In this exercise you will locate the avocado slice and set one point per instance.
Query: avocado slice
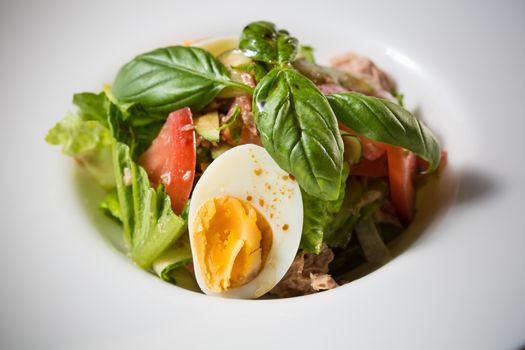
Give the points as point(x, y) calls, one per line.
point(353, 149)
point(207, 126)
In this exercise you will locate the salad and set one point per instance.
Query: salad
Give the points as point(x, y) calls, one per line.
point(240, 167)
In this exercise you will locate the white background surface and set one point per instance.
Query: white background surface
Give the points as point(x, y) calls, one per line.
point(461, 285)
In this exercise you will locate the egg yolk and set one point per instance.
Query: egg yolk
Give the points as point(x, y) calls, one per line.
point(231, 242)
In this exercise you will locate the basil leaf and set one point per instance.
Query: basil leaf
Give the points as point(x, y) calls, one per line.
point(263, 42)
point(318, 215)
point(170, 78)
point(386, 122)
point(300, 131)
point(150, 226)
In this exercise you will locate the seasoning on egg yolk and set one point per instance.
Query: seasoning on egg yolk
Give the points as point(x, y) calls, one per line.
point(231, 240)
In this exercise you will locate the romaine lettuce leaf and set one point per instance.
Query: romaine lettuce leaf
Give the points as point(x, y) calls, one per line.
point(150, 226)
point(110, 206)
point(105, 136)
point(89, 142)
point(133, 126)
point(92, 106)
point(77, 135)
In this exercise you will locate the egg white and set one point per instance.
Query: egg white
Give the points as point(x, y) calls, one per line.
point(244, 171)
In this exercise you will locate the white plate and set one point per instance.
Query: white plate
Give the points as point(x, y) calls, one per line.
point(460, 285)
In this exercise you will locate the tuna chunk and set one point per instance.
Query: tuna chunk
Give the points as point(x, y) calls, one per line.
point(365, 69)
point(307, 275)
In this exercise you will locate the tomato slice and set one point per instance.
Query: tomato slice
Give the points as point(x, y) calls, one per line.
point(370, 168)
point(422, 164)
point(171, 158)
point(401, 173)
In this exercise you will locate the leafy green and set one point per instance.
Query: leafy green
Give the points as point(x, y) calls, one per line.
point(339, 232)
point(92, 106)
point(263, 42)
point(150, 226)
point(86, 135)
point(233, 118)
point(359, 202)
point(234, 124)
point(110, 206)
point(78, 136)
point(170, 78)
point(89, 142)
point(132, 125)
point(318, 214)
point(300, 131)
point(384, 121)
point(174, 257)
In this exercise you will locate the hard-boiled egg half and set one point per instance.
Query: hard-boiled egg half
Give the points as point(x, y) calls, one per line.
point(245, 222)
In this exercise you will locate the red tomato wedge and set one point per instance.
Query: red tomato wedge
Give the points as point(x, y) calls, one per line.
point(370, 168)
point(401, 173)
point(422, 164)
point(171, 158)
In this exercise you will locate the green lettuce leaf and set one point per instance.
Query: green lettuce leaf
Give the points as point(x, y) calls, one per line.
point(110, 206)
point(92, 106)
point(78, 136)
point(318, 215)
point(89, 142)
point(133, 126)
point(105, 136)
point(360, 201)
point(150, 226)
